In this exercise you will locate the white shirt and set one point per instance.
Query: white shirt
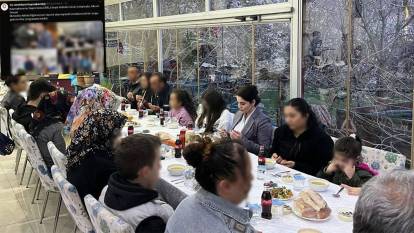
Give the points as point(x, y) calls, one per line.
point(224, 122)
point(240, 126)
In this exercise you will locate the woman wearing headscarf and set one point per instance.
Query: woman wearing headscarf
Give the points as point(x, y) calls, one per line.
point(90, 158)
point(88, 100)
point(47, 123)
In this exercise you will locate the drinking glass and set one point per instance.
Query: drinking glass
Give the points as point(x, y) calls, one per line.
point(189, 174)
point(298, 182)
point(127, 107)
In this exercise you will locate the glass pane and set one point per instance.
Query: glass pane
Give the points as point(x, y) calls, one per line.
point(228, 4)
point(383, 64)
point(324, 61)
point(177, 7)
point(136, 9)
point(130, 47)
point(112, 13)
point(273, 66)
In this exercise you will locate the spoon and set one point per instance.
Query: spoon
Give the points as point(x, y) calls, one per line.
point(339, 191)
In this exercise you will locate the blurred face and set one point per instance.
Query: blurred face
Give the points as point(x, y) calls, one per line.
point(155, 83)
point(132, 74)
point(238, 190)
point(151, 174)
point(144, 82)
point(244, 105)
point(294, 119)
point(341, 160)
point(174, 102)
point(20, 86)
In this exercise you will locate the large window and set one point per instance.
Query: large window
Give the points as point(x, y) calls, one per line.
point(112, 13)
point(228, 4)
point(136, 9)
point(177, 7)
point(382, 61)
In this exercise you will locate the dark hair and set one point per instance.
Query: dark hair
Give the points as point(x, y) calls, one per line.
point(249, 93)
point(305, 109)
point(216, 105)
point(349, 147)
point(38, 87)
point(215, 162)
point(9, 80)
point(160, 76)
point(186, 102)
point(146, 75)
point(135, 152)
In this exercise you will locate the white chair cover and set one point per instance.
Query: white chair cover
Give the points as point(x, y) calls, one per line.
point(72, 201)
point(103, 220)
point(58, 158)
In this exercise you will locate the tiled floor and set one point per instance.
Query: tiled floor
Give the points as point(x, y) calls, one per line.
point(17, 214)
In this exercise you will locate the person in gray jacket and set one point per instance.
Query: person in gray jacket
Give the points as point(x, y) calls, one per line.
point(223, 171)
point(250, 124)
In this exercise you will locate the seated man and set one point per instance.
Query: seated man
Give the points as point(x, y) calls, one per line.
point(132, 86)
point(131, 193)
point(386, 204)
point(161, 91)
point(37, 90)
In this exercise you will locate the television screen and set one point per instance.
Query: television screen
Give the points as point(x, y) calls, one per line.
point(47, 37)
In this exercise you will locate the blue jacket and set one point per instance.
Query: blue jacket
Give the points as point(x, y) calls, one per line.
point(205, 212)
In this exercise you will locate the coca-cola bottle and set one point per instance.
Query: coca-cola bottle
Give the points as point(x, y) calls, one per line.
point(266, 202)
point(162, 117)
point(178, 147)
point(261, 160)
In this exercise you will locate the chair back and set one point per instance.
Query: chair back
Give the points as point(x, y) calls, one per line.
point(59, 159)
point(36, 160)
point(72, 200)
point(382, 160)
point(103, 220)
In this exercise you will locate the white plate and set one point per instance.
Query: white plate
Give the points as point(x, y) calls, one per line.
point(309, 219)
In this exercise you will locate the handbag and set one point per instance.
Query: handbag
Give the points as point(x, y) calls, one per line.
point(6, 142)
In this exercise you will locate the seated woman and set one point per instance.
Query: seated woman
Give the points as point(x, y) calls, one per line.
point(214, 115)
point(13, 99)
point(347, 166)
point(90, 157)
point(223, 171)
point(47, 123)
point(144, 92)
point(89, 100)
point(300, 143)
point(182, 108)
point(250, 124)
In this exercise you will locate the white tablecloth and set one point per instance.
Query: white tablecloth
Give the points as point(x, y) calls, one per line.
point(286, 224)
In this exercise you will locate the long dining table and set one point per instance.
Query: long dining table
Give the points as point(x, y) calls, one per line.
point(289, 223)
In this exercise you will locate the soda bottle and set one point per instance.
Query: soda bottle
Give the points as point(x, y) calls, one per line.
point(178, 147)
point(162, 117)
point(261, 167)
point(182, 136)
point(266, 202)
point(130, 130)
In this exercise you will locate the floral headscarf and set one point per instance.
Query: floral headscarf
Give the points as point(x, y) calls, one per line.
point(96, 132)
point(91, 99)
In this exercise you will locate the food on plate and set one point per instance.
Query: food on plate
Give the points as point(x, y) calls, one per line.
point(172, 126)
point(270, 164)
point(176, 169)
point(318, 185)
point(345, 215)
point(281, 193)
point(270, 184)
point(164, 136)
point(129, 116)
point(311, 205)
point(308, 230)
point(287, 178)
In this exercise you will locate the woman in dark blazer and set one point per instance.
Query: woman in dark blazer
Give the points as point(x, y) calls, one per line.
point(250, 124)
point(301, 143)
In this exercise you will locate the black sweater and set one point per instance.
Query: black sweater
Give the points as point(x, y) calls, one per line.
point(311, 151)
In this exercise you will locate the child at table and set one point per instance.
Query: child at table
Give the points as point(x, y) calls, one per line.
point(183, 108)
point(346, 166)
point(132, 192)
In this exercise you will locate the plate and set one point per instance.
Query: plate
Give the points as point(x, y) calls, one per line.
point(309, 219)
point(308, 230)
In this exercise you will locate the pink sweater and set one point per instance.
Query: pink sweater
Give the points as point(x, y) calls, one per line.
point(182, 116)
